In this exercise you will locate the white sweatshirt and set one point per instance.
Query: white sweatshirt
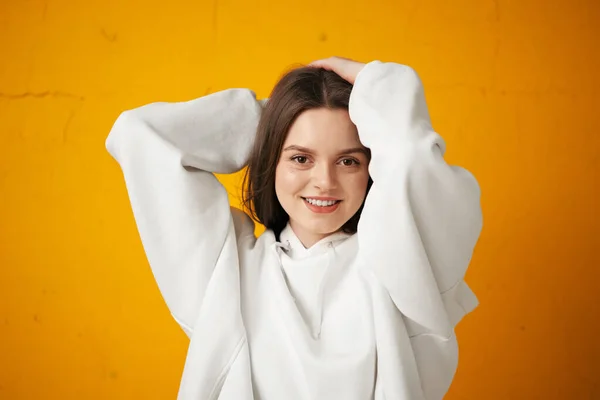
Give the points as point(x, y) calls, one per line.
point(362, 316)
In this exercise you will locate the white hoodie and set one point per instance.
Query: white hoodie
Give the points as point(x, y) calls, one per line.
point(362, 316)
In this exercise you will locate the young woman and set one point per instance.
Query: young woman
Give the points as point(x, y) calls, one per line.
point(355, 288)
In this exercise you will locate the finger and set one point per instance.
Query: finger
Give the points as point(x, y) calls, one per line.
point(320, 64)
point(327, 63)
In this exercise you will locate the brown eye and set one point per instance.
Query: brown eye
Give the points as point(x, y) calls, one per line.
point(300, 159)
point(348, 162)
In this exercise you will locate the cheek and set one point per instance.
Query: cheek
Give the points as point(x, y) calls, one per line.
point(357, 183)
point(287, 180)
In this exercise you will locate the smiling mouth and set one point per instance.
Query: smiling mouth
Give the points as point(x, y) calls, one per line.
point(320, 203)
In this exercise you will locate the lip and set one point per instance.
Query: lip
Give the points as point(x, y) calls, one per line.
point(320, 209)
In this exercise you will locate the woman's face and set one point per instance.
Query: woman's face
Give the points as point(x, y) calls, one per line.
point(322, 174)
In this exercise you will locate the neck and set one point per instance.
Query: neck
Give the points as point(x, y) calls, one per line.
point(307, 238)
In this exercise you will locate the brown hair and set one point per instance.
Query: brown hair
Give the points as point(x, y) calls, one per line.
point(298, 90)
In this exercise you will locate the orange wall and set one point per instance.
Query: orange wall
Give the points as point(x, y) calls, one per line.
point(512, 86)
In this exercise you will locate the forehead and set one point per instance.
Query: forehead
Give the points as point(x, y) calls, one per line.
point(323, 128)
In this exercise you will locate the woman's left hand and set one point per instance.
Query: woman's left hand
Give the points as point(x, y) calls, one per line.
point(344, 67)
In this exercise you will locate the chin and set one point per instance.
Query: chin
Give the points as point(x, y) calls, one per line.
point(324, 227)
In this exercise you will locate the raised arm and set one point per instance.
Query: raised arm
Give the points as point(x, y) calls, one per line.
point(422, 217)
point(168, 152)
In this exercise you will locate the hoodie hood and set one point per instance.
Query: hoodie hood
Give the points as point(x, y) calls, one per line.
point(317, 267)
point(294, 248)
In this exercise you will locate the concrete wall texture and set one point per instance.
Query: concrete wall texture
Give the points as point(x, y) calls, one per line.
point(513, 86)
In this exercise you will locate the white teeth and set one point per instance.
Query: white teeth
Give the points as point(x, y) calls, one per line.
point(321, 203)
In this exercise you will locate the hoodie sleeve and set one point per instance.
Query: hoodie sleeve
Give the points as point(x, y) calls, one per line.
point(421, 219)
point(168, 153)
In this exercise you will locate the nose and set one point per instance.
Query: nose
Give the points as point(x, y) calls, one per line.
point(324, 177)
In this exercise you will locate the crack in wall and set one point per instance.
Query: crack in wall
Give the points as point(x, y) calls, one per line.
point(40, 95)
point(110, 37)
point(67, 125)
point(51, 95)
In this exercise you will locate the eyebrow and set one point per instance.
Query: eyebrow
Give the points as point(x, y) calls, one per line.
point(352, 150)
